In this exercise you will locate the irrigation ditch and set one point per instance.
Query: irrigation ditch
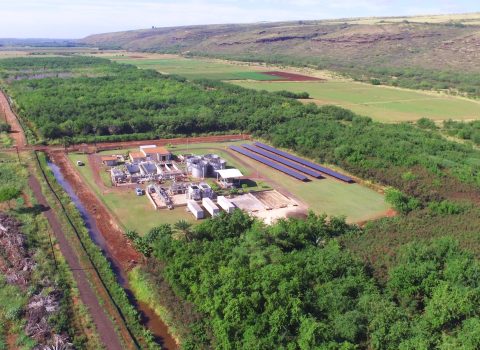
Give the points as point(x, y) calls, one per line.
point(144, 326)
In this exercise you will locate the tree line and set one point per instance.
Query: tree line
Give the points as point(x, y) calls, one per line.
point(292, 286)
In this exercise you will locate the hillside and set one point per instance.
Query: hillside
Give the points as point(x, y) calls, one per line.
point(438, 42)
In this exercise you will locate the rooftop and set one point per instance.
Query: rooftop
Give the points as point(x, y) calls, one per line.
point(106, 158)
point(157, 150)
point(137, 155)
point(229, 173)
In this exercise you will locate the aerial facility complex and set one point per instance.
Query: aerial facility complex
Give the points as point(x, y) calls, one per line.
point(205, 184)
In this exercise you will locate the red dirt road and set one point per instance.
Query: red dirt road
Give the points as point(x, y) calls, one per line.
point(162, 142)
point(103, 323)
point(284, 76)
point(17, 131)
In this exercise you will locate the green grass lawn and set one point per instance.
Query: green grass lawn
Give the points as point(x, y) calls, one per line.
point(379, 102)
point(199, 68)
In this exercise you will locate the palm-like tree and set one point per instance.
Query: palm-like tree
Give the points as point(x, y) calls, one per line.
point(184, 227)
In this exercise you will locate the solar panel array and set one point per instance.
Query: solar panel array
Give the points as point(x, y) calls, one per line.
point(283, 161)
point(269, 163)
point(305, 162)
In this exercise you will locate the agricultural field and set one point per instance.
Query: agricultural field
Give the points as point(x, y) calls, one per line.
point(379, 102)
point(386, 104)
point(198, 68)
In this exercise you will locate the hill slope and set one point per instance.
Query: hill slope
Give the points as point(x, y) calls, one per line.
point(391, 42)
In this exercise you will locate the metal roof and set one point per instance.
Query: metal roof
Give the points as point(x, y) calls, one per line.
point(155, 150)
point(229, 173)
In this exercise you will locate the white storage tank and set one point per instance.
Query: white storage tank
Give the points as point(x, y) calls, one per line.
point(195, 209)
point(199, 169)
point(225, 204)
point(210, 206)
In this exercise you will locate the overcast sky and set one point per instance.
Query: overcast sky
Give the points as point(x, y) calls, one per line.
point(78, 18)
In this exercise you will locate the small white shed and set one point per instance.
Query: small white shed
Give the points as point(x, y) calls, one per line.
point(210, 206)
point(225, 204)
point(228, 178)
point(195, 209)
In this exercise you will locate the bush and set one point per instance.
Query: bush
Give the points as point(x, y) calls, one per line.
point(401, 202)
point(5, 127)
point(446, 208)
point(426, 123)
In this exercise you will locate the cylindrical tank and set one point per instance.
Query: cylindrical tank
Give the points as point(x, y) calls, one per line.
point(199, 170)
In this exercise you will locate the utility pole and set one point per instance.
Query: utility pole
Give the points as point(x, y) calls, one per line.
point(53, 250)
point(5, 114)
point(18, 155)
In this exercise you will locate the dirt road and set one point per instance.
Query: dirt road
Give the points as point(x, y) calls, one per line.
point(103, 323)
point(163, 142)
point(17, 131)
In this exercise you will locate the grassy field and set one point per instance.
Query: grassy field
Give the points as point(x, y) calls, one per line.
point(379, 102)
point(198, 68)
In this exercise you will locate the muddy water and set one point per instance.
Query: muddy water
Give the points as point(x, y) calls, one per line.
point(148, 317)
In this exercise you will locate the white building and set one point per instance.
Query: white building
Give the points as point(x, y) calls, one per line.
point(225, 204)
point(195, 209)
point(210, 206)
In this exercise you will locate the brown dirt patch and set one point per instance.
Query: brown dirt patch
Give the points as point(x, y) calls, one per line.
point(390, 213)
point(286, 76)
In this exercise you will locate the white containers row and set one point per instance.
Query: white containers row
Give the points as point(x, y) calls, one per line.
point(225, 204)
point(210, 206)
point(195, 209)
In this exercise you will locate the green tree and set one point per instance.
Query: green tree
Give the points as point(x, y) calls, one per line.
point(184, 227)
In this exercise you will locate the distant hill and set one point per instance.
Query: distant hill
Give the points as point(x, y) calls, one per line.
point(38, 42)
point(431, 42)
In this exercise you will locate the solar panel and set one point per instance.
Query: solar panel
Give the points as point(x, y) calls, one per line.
point(305, 162)
point(284, 161)
point(269, 163)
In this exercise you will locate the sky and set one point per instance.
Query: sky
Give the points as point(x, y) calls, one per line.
point(79, 18)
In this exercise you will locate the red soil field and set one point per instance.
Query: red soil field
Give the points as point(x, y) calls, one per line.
point(284, 76)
